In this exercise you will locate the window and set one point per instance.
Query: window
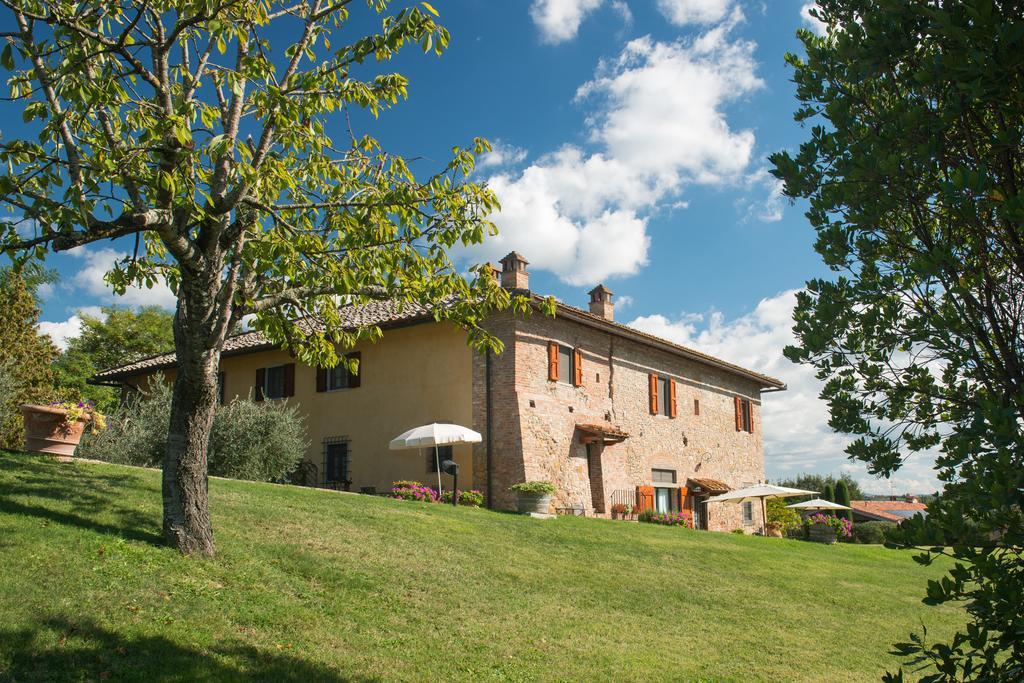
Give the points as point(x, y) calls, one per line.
point(666, 499)
point(443, 453)
point(339, 377)
point(696, 406)
point(565, 364)
point(744, 415)
point(748, 513)
point(662, 395)
point(277, 381)
point(663, 476)
point(336, 461)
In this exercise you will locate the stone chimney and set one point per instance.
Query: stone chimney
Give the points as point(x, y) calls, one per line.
point(601, 302)
point(513, 272)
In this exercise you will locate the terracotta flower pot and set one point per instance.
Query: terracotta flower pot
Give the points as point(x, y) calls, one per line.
point(46, 430)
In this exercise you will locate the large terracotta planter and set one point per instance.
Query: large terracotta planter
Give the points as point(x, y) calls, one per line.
point(533, 502)
point(47, 432)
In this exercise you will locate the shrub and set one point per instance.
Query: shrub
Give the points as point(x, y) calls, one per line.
point(740, 532)
point(872, 532)
point(136, 432)
point(682, 519)
point(533, 487)
point(472, 499)
point(10, 388)
point(261, 441)
point(413, 491)
point(784, 517)
point(258, 441)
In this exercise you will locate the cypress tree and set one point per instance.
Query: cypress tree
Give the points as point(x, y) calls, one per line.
point(843, 498)
point(828, 493)
point(25, 355)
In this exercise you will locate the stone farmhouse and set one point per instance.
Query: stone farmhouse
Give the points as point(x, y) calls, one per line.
point(608, 414)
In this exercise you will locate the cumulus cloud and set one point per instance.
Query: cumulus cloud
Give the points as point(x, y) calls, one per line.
point(683, 12)
point(501, 155)
point(61, 331)
point(96, 263)
point(797, 436)
point(813, 23)
point(771, 207)
point(659, 124)
point(559, 20)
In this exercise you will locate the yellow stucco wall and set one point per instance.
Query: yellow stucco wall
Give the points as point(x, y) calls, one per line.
point(415, 375)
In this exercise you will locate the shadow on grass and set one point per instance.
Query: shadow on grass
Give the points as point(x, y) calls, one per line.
point(84, 498)
point(87, 651)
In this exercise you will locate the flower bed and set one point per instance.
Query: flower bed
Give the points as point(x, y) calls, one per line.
point(840, 526)
point(471, 498)
point(413, 490)
point(682, 519)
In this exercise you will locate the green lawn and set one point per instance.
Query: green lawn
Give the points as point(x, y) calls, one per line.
point(317, 585)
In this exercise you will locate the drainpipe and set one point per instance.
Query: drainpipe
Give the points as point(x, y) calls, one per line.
point(487, 390)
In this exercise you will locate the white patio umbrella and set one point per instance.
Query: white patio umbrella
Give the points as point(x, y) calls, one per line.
point(434, 434)
point(758, 492)
point(818, 504)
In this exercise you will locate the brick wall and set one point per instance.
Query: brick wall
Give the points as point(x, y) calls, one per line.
point(534, 433)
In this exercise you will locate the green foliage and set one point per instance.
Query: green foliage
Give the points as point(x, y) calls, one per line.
point(872, 532)
point(817, 482)
point(533, 487)
point(828, 493)
point(117, 336)
point(259, 441)
point(25, 355)
point(782, 516)
point(843, 498)
point(912, 174)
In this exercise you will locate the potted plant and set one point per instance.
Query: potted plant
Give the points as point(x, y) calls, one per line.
point(824, 528)
point(57, 428)
point(533, 496)
point(619, 511)
point(773, 529)
point(630, 513)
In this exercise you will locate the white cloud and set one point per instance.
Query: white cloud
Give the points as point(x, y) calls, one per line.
point(770, 208)
point(797, 436)
point(500, 156)
point(659, 124)
point(60, 332)
point(97, 263)
point(811, 22)
point(559, 20)
point(683, 12)
point(622, 9)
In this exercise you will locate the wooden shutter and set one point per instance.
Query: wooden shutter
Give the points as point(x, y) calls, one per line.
point(261, 381)
point(356, 379)
point(671, 397)
point(652, 390)
point(321, 380)
point(739, 414)
point(577, 374)
point(644, 498)
point(289, 379)
point(552, 361)
point(682, 499)
point(750, 416)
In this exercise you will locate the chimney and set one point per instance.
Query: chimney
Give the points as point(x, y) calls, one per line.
point(601, 303)
point(495, 272)
point(513, 273)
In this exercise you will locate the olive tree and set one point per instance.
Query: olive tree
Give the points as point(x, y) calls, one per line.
point(215, 135)
point(913, 170)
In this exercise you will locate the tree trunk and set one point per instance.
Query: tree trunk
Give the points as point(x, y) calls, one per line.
point(186, 505)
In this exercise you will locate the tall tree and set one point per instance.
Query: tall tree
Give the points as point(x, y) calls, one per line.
point(817, 482)
point(843, 498)
point(913, 171)
point(229, 158)
point(828, 493)
point(25, 355)
point(117, 336)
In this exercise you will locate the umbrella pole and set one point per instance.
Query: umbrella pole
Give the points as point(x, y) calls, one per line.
point(764, 518)
point(437, 461)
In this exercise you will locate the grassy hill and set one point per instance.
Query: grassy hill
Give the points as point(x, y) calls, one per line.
point(317, 585)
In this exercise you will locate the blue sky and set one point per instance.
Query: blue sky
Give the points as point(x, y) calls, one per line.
point(631, 139)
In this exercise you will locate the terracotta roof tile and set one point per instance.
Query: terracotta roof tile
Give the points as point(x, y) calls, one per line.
point(890, 510)
point(712, 485)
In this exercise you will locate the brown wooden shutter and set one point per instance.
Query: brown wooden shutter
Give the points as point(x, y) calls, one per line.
point(671, 397)
point(739, 414)
point(644, 498)
point(750, 416)
point(261, 381)
point(652, 390)
point(321, 380)
point(289, 379)
point(577, 375)
point(552, 361)
point(682, 499)
point(356, 379)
